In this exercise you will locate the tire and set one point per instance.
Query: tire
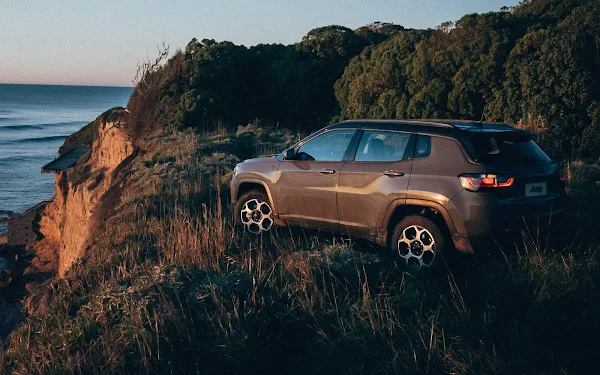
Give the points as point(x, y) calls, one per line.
point(417, 242)
point(254, 213)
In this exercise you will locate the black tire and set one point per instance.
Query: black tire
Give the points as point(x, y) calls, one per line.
point(426, 252)
point(258, 221)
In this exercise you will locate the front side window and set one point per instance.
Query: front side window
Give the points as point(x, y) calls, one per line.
point(378, 145)
point(330, 146)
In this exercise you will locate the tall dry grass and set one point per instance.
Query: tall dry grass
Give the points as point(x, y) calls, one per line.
point(171, 286)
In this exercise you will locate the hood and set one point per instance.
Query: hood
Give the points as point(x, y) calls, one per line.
point(260, 159)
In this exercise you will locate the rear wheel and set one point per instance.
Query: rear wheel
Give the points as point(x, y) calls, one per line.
point(418, 243)
point(253, 212)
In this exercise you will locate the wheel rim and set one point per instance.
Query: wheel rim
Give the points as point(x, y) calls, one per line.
point(257, 216)
point(417, 247)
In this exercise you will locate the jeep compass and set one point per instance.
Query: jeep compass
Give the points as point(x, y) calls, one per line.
point(420, 187)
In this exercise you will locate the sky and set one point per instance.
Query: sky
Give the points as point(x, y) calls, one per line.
point(101, 42)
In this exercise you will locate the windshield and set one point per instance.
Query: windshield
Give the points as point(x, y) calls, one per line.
point(505, 149)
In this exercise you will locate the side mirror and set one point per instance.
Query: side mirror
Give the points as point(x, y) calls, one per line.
point(290, 154)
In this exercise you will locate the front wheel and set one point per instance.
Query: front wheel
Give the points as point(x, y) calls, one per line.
point(418, 243)
point(253, 211)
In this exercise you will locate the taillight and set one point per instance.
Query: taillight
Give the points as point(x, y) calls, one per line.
point(474, 182)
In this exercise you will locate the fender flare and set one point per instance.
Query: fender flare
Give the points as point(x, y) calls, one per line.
point(422, 203)
point(256, 181)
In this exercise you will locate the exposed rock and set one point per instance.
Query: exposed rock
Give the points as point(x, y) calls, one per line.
point(85, 193)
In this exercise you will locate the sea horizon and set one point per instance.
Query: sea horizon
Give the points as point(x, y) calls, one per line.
point(63, 84)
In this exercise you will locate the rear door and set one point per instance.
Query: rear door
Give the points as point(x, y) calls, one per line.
point(306, 186)
point(374, 177)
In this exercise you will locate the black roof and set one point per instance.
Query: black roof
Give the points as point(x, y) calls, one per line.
point(453, 128)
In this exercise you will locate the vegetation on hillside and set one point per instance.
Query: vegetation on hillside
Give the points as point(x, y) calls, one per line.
point(534, 63)
point(169, 286)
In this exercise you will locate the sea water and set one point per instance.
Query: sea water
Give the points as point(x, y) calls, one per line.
point(34, 121)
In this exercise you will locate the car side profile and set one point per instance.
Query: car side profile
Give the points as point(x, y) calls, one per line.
point(421, 187)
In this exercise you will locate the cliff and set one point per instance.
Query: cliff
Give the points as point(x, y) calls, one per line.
point(86, 193)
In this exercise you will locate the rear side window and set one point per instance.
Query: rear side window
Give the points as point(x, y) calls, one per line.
point(505, 149)
point(423, 146)
point(378, 145)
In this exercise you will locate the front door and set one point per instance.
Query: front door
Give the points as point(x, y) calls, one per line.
point(377, 176)
point(306, 186)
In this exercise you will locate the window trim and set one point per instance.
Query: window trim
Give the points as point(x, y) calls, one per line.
point(411, 145)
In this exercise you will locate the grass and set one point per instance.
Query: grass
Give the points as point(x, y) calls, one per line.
point(172, 287)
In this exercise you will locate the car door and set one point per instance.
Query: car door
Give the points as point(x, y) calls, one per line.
point(375, 177)
point(306, 186)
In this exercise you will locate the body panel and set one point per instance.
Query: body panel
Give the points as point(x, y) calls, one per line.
point(306, 196)
point(364, 193)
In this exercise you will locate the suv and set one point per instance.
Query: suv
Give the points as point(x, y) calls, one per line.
point(421, 187)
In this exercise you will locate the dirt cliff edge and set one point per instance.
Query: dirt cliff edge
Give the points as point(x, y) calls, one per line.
point(85, 194)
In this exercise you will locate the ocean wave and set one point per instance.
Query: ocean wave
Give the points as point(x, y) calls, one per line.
point(22, 127)
point(35, 139)
point(7, 159)
point(41, 126)
point(41, 139)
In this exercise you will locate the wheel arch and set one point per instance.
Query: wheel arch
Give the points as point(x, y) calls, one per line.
point(249, 184)
point(434, 211)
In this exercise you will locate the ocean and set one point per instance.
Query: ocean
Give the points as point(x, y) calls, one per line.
point(34, 121)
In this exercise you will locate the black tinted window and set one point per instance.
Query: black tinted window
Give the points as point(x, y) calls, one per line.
point(378, 145)
point(330, 146)
point(423, 146)
point(505, 149)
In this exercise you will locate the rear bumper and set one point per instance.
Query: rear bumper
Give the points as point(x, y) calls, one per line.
point(488, 220)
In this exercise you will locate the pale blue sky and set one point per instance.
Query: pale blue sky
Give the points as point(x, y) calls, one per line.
point(99, 42)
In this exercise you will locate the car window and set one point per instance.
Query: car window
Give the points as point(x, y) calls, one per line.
point(377, 145)
point(423, 146)
point(330, 146)
point(505, 149)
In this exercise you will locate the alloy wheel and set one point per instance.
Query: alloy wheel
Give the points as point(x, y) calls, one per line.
point(417, 247)
point(257, 216)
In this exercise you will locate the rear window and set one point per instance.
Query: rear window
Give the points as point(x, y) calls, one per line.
point(504, 149)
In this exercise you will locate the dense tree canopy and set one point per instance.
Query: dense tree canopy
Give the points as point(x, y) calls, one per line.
point(536, 63)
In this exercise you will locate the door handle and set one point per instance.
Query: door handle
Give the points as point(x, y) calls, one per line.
point(393, 173)
point(327, 171)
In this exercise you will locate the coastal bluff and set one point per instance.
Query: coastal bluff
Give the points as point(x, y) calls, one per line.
point(85, 194)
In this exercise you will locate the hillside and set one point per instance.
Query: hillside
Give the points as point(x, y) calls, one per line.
point(144, 271)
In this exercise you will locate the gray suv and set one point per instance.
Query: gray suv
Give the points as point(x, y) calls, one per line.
point(421, 187)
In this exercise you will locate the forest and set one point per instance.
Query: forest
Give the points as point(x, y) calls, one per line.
point(534, 65)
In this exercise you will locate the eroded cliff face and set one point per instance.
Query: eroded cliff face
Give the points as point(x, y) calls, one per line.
point(86, 194)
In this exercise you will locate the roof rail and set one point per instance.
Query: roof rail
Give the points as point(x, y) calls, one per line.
point(441, 124)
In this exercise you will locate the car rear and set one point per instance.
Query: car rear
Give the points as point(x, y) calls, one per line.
point(520, 184)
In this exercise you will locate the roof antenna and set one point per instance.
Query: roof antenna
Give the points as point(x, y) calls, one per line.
point(482, 116)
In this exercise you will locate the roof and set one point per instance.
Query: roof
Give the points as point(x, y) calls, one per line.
point(444, 127)
point(66, 160)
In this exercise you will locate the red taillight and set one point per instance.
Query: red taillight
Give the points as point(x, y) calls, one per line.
point(474, 182)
